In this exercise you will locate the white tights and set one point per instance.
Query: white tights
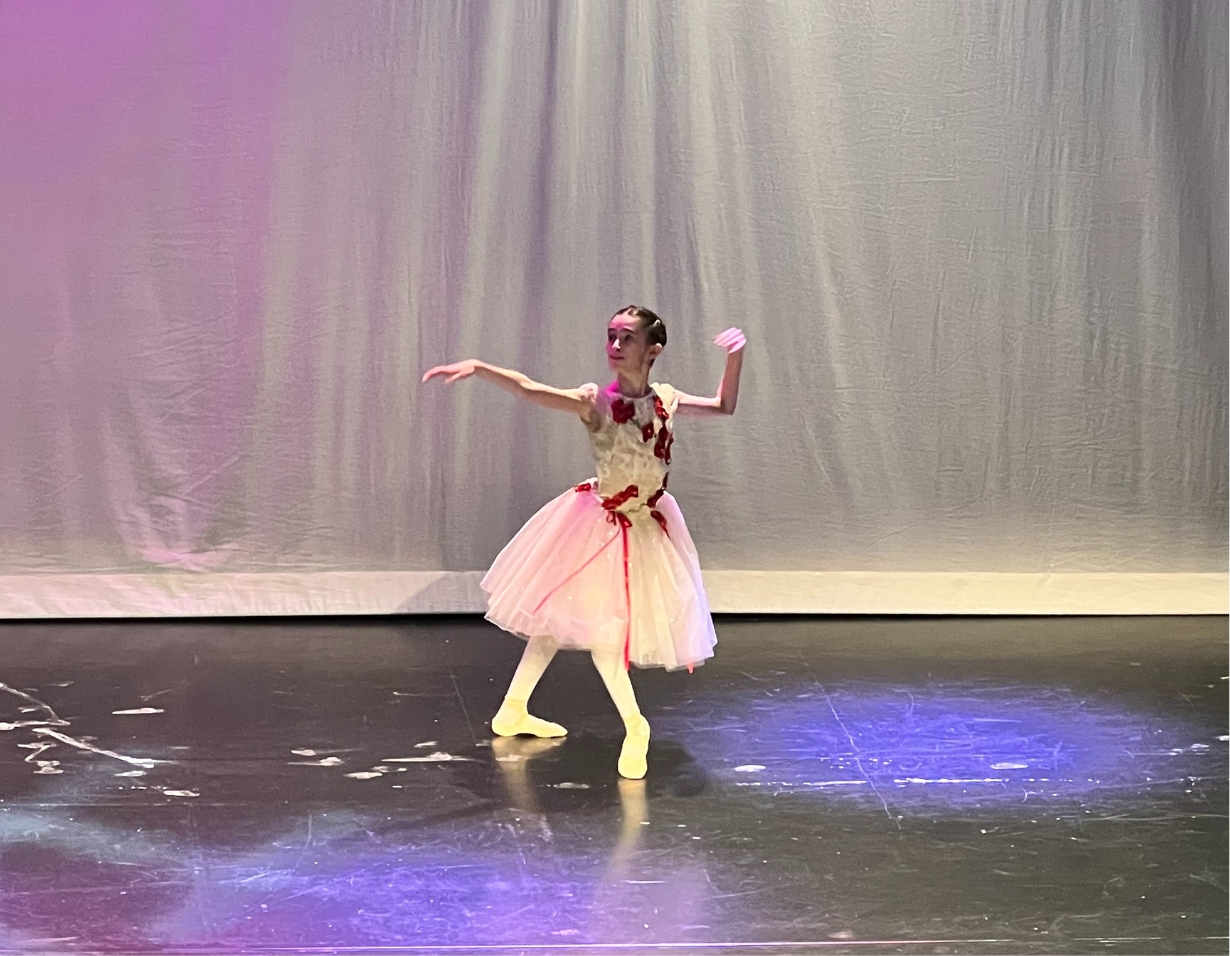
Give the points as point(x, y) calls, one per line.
point(609, 663)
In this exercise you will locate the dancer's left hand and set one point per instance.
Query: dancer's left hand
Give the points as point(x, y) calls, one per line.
point(732, 340)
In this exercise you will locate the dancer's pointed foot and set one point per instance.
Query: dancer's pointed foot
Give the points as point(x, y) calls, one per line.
point(512, 720)
point(632, 763)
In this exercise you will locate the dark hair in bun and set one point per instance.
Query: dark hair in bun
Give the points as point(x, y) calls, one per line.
point(655, 328)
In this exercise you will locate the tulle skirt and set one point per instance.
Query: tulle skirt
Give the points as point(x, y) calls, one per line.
point(589, 579)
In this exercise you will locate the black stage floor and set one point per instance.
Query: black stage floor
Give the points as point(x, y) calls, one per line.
point(824, 785)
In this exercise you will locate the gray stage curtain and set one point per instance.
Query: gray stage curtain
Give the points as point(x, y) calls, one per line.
point(979, 249)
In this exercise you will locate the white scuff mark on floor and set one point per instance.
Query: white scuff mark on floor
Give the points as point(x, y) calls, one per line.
point(749, 768)
point(304, 752)
point(568, 785)
point(1009, 765)
point(139, 710)
point(365, 775)
point(322, 762)
point(40, 747)
point(131, 773)
point(53, 719)
point(904, 780)
point(806, 783)
point(145, 762)
point(437, 757)
point(180, 793)
point(44, 766)
point(47, 940)
point(835, 783)
point(427, 743)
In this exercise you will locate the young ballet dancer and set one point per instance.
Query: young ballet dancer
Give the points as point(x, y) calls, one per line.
point(608, 566)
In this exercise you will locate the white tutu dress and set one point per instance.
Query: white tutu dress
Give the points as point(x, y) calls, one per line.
point(610, 563)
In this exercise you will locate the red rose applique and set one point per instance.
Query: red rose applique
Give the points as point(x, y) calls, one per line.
point(658, 408)
point(647, 432)
point(662, 448)
point(622, 411)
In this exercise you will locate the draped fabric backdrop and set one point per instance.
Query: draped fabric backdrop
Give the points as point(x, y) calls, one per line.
point(979, 250)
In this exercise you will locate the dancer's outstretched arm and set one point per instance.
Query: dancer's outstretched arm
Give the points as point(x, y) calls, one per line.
point(573, 400)
point(723, 403)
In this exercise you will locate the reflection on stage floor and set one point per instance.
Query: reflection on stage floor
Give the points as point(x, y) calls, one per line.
point(823, 785)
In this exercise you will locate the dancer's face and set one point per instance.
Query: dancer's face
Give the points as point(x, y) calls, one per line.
point(627, 349)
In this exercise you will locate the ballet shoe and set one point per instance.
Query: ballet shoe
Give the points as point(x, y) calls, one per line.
point(632, 763)
point(513, 721)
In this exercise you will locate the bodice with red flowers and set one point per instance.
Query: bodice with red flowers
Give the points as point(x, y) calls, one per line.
point(631, 440)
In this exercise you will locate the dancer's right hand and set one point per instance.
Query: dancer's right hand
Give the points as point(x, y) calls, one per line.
point(454, 372)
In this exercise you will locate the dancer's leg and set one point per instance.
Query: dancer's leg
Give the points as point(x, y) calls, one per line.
point(610, 665)
point(513, 717)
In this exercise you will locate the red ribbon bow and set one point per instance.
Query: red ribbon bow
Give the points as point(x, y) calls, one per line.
point(612, 504)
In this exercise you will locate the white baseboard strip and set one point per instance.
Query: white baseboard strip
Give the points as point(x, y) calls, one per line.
point(182, 594)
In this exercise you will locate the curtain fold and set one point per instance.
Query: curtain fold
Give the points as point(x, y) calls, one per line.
point(979, 250)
